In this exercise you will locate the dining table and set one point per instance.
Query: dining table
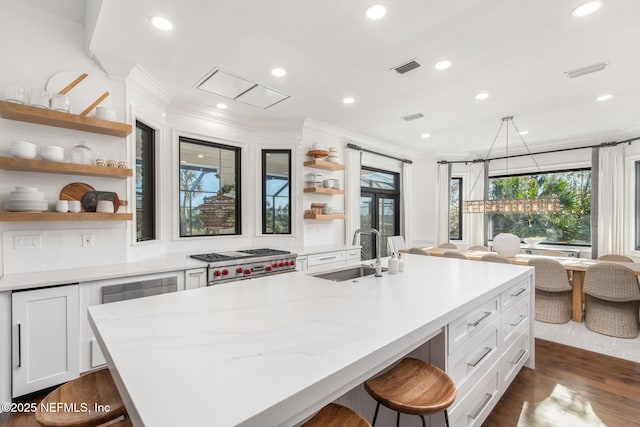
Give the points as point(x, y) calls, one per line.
point(577, 267)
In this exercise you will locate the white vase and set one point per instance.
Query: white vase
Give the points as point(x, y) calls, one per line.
point(506, 244)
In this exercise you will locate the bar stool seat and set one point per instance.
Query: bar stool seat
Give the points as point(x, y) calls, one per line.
point(334, 415)
point(413, 387)
point(94, 389)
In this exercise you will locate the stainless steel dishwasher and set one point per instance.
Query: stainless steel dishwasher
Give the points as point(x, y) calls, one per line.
point(144, 288)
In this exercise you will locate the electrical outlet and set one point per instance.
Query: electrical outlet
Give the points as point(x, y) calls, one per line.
point(27, 241)
point(87, 240)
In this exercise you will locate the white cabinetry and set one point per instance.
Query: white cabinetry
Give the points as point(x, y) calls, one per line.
point(195, 278)
point(315, 262)
point(45, 338)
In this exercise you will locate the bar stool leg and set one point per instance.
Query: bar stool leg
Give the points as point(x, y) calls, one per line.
point(398, 419)
point(446, 418)
point(375, 415)
point(424, 422)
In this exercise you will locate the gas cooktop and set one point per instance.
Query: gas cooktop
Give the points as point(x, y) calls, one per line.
point(234, 255)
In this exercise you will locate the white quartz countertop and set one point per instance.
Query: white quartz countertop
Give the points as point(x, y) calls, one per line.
point(157, 264)
point(270, 351)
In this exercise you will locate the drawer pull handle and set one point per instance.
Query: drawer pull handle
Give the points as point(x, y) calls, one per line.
point(477, 322)
point(518, 292)
point(19, 346)
point(485, 402)
point(520, 356)
point(328, 258)
point(196, 274)
point(486, 352)
point(520, 319)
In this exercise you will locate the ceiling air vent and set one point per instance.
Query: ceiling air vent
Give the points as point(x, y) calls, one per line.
point(413, 117)
point(406, 67)
point(578, 72)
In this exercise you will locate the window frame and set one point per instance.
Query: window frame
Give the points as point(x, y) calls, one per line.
point(238, 183)
point(263, 179)
point(151, 185)
point(460, 201)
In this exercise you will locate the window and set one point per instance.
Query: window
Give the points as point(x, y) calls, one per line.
point(379, 208)
point(455, 209)
point(209, 189)
point(276, 192)
point(145, 183)
point(637, 243)
point(570, 226)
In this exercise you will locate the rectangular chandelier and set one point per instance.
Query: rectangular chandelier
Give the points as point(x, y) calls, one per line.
point(520, 206)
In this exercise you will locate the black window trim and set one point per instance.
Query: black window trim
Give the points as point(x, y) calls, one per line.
point(151, 174)
point(264, 189)
point(460, 193)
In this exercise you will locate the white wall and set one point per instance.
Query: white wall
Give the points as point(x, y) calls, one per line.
point(424, 201)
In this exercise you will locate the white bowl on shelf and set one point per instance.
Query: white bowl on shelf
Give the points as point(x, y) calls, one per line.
point(24, 149)
point(26, 195)
point(23, 188)
point(26, 205)
point(52, 153)
point(333, 159)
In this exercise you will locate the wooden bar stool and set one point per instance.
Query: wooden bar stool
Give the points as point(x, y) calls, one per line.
point(334, 415)
point(413, 387)
point(92, 390)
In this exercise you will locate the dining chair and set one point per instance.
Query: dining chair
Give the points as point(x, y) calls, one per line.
point(554, 253)
point(418, 251)
point(491, 257)
point(447, 246)
point(394, 244)
point(612, 300)
point(455, 254)
point(614, 257)
point(479, 248)
point(553, 291)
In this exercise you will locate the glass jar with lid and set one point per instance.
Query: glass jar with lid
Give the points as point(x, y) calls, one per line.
point(82, 154)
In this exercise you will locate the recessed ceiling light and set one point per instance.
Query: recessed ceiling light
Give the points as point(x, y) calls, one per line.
point(201, 156)
point(426, 135)
point(161, 23)
point(279, 72)
point(482, 96)
point(524, 132)
point(221, 106)
point(376, 11)
point(605, 97)
point(348, 100)
point(442, 65)
point(587, 8)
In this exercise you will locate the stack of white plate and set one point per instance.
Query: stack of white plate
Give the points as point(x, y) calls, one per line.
point(26, 199)
point(334, 155)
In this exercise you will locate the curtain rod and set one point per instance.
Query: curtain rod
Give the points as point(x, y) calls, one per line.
point(357, 147)
point(604, 144)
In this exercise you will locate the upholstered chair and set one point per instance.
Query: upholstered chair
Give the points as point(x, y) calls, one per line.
point(479, 248)
point(553, 291)
point(612, 300)
point(491, 257)
point(455, 254)
point(394, 244)
point(418, 251)
point(554, 253)
point(448, 246)
point(614, 257)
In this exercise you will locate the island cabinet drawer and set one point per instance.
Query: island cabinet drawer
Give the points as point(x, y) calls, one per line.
point(473, 408)
point(472, 322)
point(514, 322)
point(474, 356)
point(352, 254)
point(513, 359)
point(514, 294)
point(325, 258)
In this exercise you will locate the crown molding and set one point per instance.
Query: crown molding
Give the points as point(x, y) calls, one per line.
point(149, 86)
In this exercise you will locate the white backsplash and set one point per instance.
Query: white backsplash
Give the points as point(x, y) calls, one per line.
point(62, 249)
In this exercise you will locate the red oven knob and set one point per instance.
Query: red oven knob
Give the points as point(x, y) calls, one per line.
point(281, 264)
point(268, 268)
point(247, 271)
point(225, 272)
point(239, 270)
point(292, 262)
point(217, 273)
point(274, 265)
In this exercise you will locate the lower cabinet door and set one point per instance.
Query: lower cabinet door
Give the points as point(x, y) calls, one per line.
point(195, 278)
point(45, 338)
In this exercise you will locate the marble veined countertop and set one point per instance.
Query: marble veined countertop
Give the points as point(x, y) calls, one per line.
point(271, 351)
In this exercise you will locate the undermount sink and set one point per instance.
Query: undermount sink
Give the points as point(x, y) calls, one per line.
point(348, 273)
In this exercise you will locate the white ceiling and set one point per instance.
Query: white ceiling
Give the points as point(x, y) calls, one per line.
point(516, 50)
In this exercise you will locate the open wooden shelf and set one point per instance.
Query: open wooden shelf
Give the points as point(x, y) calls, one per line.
point(322, 190)
point(41, 116)
point(322, 216)
point(58, 216)
point(12, 163)
point(324, 165)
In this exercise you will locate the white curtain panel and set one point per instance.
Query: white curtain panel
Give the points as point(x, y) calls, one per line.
point(406, 207)
point(353, 162)
point(442, 203)
point(476, 192)
point(611, 200)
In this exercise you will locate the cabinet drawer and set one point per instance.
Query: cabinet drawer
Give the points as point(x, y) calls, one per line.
point(514, 294)
point(474, 408)
point(474, 356)
point(514, 322)
point(325, 258)
point(352, 254)
point(471, 323)
point(513, 359)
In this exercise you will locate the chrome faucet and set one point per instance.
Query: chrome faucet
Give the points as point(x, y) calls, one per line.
point(378, 265)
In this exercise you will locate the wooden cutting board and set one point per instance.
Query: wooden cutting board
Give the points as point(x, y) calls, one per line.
point(75, 191)
point(91, 198)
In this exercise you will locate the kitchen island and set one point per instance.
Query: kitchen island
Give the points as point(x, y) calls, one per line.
point(272, 351)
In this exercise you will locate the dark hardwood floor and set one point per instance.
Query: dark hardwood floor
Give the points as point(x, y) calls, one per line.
point(570, 387)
